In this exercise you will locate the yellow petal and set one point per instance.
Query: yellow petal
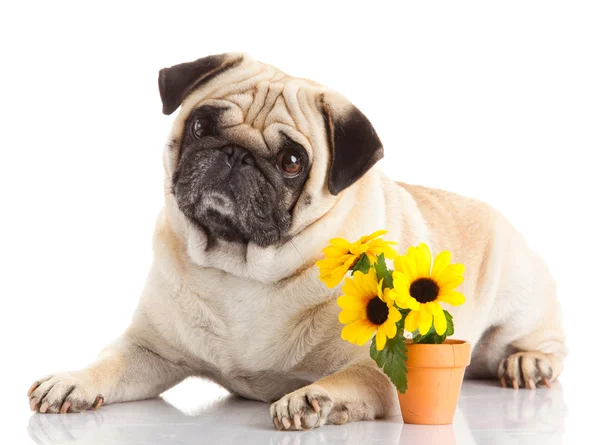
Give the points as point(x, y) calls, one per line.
point(425, 321)
point(408, 303)
point(412, 321)
point(425, 307)
point(401, 282)
point(394, 316)
point(399, 294)
point(339, 272)
point(451, 284)
point(402, 304)
point(434, 307)
point(366, 334)
point(451, 277)
point(358, 249)
point(350, 302)
point(452, 297)
point(390, 328)
point(423, 260)
point(442, 260)
point(412, 304)
point(380, 339)
point(370, 282)
point(350, 260)
point(330, 281)
point(350, 287)
point(349, 315)
point(330, 263)
point(354, 285)
point(407, 266)
point(335, 252)
point(439, 322)
point(371, 256)
point(376, 234)
point(397, 264)
point(348, 332)
point(352, 331)
point(389, 253)
point(340, 242)
point(387, 298)
point(380, 291)
point(413, 254)
point(378, 245)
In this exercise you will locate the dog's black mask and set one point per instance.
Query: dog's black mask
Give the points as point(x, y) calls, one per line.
point(232, 193)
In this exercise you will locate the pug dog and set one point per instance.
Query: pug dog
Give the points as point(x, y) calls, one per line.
point(262, 169)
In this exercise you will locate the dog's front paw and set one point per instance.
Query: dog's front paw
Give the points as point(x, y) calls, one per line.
point(64, 392)
point(305, 408)
point(525, 370)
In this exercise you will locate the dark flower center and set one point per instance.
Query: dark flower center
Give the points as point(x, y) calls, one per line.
point(424, 290)
point(377, 311)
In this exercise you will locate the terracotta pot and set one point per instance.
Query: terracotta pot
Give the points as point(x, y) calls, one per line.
point(435, 375)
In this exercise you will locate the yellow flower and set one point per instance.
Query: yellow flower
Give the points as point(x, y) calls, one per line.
point(341, 255)
point(421, 288)
point(366, 309)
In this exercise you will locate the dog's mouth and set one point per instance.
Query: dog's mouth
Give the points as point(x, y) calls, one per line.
point(229, 198)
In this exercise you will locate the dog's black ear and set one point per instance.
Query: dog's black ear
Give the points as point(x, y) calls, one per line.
point(354, 146)
point(177, 82)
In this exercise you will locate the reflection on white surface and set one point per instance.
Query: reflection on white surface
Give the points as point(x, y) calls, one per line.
point(486, 414)
point(456, 434)
point(498, 416)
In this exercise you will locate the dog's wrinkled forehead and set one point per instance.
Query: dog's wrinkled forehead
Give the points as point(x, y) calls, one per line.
point(260, 105)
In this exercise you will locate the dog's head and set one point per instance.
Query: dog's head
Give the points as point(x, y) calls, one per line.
point(256, 155)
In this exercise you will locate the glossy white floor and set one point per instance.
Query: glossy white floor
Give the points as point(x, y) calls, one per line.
point(198, 412)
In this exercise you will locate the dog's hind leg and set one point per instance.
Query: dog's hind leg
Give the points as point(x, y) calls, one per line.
point(527, 346)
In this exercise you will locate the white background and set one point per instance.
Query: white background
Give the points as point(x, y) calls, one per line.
point(495, 100)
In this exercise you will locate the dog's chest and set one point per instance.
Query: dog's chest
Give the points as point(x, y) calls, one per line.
point(257, 320)
point(255, 337)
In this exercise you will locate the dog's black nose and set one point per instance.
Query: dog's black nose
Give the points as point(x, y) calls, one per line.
point(236, 154)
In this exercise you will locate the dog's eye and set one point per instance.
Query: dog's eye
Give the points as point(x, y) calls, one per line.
point(199, 127)
point(290, 162)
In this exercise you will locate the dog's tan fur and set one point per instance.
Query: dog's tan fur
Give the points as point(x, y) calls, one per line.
point(258, 320)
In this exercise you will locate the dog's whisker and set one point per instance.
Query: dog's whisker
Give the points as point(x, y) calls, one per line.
point(297, 250)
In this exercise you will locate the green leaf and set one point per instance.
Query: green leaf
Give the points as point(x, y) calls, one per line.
point(430, 338)
point(450, 322)
point(404, 313)
point(392, 359)
point(363, 264)
point(383, 273)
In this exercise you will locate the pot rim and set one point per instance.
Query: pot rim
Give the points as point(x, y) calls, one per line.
point(452, 353)
point(448, 341)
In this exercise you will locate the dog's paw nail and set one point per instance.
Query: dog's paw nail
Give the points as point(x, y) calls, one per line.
point(303, 409)
point(315, 405)
point(525, 369)
point(65, 392)
point(99, 401)
point(64, 409)
point(32, 388)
